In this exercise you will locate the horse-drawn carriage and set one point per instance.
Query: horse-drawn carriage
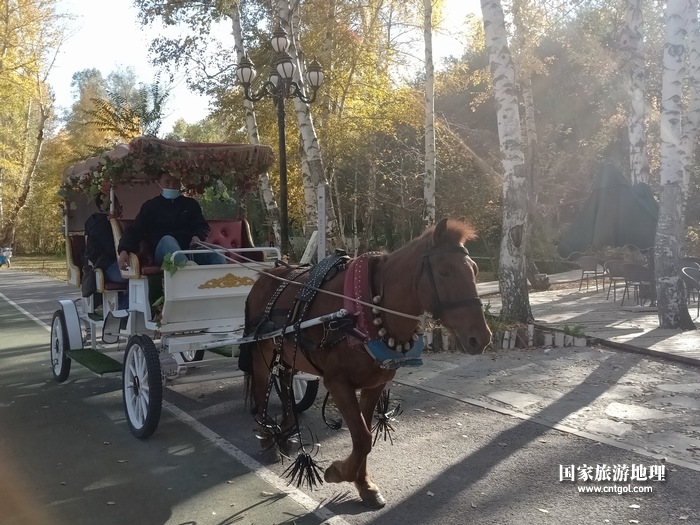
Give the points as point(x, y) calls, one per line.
point(353, 322)
point(185, 310)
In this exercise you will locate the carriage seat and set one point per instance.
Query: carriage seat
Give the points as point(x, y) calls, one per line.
point(226, 233)
point(76, 258)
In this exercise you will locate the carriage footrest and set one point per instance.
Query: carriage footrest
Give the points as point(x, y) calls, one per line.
point(97, 362)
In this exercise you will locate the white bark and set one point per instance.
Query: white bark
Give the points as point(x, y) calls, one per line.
point(430, 161)
point(692, 119)
point(512, 265)
point(310, 203)
point(252, 126)
point(639, 161)
point(671, 303)
point(307, 130)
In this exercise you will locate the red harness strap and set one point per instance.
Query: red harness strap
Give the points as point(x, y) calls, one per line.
point(357, 285)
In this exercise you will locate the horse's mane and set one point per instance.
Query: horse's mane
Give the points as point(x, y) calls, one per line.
point(458, 231)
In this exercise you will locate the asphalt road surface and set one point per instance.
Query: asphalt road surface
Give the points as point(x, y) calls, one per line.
point(67, 456)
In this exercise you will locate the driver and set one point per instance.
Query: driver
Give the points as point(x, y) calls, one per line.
point(170, 222)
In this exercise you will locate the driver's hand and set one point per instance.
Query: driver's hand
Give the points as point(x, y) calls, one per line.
point(123, 260)
point(194, 242)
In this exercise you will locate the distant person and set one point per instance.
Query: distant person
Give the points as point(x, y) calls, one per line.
point(169, 222)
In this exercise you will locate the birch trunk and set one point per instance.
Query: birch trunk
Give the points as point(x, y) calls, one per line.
point(672, 309)
point(639, 162)
point(307, 130)
point(10, 225)
point(252, 126)
point(429, 180)
point(512, 266)
point(692, 119)
point(310, 204)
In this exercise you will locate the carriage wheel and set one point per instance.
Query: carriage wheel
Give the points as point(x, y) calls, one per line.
point(192, 355)
point(60, 362)
point(304, 393)
point(142, 386)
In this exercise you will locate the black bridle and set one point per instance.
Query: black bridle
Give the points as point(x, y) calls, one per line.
point(438, 306)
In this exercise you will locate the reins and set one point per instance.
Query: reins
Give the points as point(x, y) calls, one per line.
point(214, 248)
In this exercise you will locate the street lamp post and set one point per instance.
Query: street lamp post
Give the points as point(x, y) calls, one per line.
point(280, 86)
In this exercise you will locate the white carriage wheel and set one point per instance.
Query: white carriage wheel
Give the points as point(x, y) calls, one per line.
point(60, 362)
point(142, 386)
point(304, 393)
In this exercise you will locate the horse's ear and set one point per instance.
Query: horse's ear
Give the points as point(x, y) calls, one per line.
point(463, 219)
point(439, 231)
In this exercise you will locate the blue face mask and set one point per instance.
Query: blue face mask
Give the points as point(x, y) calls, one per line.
point(170, 193)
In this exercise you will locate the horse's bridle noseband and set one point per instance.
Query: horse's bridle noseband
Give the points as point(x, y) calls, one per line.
point(438, 306)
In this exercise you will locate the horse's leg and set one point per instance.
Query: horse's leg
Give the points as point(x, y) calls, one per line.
point(369, 493)
point(353, 468)
point(260, 379)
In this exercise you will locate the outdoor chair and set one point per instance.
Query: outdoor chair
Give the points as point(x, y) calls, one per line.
point(613, 270)
point(641, 280)
point(689, 262)
point(691, 279)
point(590, 267)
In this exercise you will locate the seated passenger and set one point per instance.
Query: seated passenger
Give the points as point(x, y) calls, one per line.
point(99, 248)
point(169, 222)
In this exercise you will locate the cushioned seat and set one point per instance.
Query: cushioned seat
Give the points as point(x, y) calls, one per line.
point(225, 233)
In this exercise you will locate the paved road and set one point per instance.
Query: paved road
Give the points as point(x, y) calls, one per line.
point(468, 449)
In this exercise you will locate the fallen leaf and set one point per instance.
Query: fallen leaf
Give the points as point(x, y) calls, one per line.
point(544, 510)
point(232, 505)
point(110, 503)
point(106, 443)
point(473, 505)
point(634, 521)
point(63, 482)
point(230, 482)
point(265, 493)
point(122, 461)
point(204, 475)
point(634, 506)
point(430, 494)
point(683, 517)
point(503, 444)
point(542, 440)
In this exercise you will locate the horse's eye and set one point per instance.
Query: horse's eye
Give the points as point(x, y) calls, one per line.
point(444, 273)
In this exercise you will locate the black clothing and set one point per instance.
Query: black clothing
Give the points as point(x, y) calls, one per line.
point(99, 248)
point(180, 217)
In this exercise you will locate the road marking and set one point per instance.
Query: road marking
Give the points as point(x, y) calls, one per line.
point(555, 426)
point(266, 474)
point(32, 317)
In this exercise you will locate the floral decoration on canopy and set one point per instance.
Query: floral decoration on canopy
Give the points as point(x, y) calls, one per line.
point(198, 166)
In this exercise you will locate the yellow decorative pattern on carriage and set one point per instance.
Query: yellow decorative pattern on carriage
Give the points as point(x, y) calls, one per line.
point(228, 281)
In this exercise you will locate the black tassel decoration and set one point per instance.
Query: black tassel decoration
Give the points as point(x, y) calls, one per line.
point(384, 417)
point(332, 423)
point(304, 470)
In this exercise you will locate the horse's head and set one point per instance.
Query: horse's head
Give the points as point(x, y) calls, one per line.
point(447, 286)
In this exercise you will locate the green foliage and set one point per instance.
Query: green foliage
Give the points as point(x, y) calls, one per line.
point(171, 266)
point(575, 331)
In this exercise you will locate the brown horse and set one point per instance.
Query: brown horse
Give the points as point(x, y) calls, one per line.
point(432, 273)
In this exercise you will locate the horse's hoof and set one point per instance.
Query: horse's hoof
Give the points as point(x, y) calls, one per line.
point(332, 475)
point(271, 455)
point(372, 499)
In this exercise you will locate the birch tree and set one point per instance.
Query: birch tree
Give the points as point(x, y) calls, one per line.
point(512, 265)
point(310, 143)
point(633, 41)
point(252, 124)
point(430, 161)
point(692, 118)
point(672, 309)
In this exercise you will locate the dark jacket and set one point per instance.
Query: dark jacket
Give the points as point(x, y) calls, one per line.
point(181, 217)
point(99, 248)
